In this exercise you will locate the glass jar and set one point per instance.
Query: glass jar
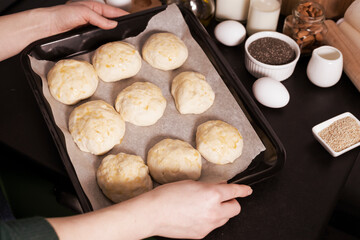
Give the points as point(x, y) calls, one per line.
point(232, 9)
point(263, 16)
point(306, 26)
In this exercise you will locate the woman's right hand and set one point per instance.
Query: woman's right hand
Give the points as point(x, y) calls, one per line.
point(190, 209)
point(184, 209)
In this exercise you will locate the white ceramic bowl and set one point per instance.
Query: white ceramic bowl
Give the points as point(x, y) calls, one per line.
point(259, 69)
point(316, 129)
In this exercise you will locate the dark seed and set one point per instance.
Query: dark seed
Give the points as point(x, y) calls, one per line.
point(271, 51)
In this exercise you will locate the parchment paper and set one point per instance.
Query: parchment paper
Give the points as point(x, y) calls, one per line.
point(138, 140)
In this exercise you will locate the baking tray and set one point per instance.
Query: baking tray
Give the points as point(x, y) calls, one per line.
point(87, 39)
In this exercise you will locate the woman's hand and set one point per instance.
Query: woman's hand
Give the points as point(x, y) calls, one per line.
point(190, 209)
point(20, 29)
point(185, 209)
point(74, 14)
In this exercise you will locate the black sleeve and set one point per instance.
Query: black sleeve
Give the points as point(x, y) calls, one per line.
point(35, 228)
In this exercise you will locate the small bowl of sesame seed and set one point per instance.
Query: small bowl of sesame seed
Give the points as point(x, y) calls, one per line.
point(338, 134)
point(271, 54)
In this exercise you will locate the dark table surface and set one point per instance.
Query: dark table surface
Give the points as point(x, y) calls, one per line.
point(295, 204)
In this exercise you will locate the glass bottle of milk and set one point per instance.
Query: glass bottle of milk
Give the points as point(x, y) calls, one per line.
point(263, 15)
point(232, 9)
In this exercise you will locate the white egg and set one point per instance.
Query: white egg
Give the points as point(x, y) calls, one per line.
point(230, 33)
point(270, 92)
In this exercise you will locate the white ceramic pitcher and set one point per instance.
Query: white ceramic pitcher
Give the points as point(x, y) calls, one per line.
point(325, 66)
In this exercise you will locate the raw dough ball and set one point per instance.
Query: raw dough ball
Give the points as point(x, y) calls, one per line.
point(96, 127)
point(173, 160)
point(123, 176)
point(116, 61)
point(72, 80)
point(191, 92)
point(164, 51)
point(219, 142)
point(141, 103)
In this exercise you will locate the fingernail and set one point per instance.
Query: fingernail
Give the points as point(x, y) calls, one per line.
point(250, 191)
point(113, 24)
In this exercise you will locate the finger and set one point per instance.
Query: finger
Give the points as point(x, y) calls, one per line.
point(222, 222)
point(231, 191)
point(104, 9)
point(230, 208)
point(98, 20)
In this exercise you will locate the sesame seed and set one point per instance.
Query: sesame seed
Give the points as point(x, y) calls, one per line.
point(341, 134)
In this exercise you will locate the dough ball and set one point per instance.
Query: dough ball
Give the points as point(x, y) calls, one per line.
point(96, 127)
point(123, 176)
point(115, 61)
point(219, 142)
point(71, 81)
point(141, 103)
point(173, 160)
point(192, 93)
point(164, 51)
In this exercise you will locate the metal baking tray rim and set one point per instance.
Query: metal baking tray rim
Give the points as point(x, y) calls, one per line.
point(258, 171)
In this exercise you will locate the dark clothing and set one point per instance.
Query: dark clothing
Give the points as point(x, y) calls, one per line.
point(35, 228)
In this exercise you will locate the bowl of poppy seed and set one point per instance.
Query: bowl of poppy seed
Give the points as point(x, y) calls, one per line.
point(271, 54)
